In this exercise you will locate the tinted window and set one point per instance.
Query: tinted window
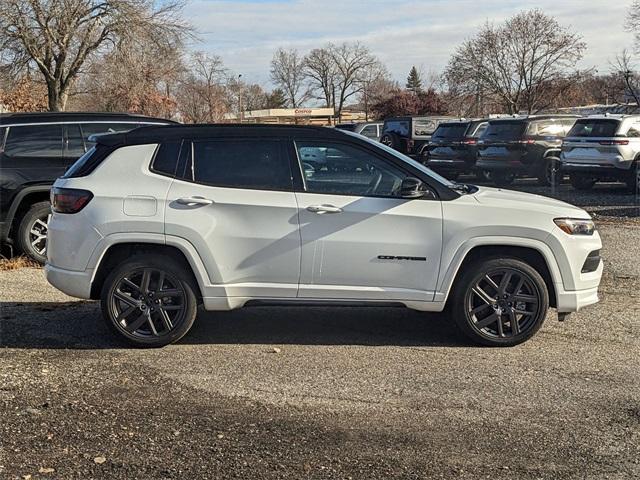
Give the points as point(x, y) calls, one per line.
point(166, 158)
point(347, 170)
point(242, 163)
point(89, 129)
point(504, 131)
point(450, 131)
point(346, 126)
point(557, 128)
point(3, 131)
point(399, 126)
point(88, 162)
point(594, 128)
point(34, 141)
point(74, 142)
point(479, 130)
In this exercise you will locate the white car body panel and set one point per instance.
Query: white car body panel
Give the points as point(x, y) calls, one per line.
point(265, 245)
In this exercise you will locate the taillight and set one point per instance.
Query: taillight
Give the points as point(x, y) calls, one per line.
point(614, 142)
point(469, 141)
point(69, 200)
point(528, 141)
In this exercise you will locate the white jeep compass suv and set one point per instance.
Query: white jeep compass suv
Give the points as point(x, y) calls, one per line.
point(158, 220)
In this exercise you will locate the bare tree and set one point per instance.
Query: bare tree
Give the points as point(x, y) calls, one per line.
point(351, 60)
point(320, 68)
point(624, 68)
point(59, 37)
point(287, 73)
point(515, 61)
point(204, 95)
point(632, 23)
point(375, 85)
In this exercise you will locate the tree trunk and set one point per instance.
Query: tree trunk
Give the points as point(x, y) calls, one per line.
point(57, 99)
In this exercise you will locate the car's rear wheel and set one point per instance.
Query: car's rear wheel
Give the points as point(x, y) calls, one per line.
point(502, 179)
point(551, 172)
point(149, 301)
point(580, 181)
point(33, 231)
point(500, 302)
point(633, 179)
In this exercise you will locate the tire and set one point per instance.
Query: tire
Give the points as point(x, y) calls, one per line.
point(154, 319)
point(32, 232)
point(488, 323)
point(390, 140)
point(633, 179)
point(550, 172)
point(502, 179)
point(580, 181)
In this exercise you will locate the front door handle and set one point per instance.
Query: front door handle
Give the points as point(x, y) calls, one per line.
point(196, 200)
point(321, 209)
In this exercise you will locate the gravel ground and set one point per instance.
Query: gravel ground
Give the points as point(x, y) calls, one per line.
point(326, 392)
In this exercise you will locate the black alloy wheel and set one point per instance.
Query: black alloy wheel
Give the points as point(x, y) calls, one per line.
point(149, 304)
point(502, 302)
point(33, 232)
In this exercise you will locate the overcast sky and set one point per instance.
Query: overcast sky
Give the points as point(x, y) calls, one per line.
point(245, 33)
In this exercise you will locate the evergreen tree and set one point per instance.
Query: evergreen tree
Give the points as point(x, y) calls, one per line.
point(275, 99)
point(414, 82)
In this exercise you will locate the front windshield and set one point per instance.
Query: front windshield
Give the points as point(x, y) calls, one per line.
point(404, 158)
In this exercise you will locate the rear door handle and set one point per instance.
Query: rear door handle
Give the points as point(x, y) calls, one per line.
point(196, 200)
point(321, 209)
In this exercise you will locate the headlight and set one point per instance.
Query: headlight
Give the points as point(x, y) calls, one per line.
point(575, 226)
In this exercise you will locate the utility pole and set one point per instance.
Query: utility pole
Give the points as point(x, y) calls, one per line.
point(240, 97)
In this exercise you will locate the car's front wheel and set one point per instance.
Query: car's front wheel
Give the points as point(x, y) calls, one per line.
point(149, 301)
point(500, 302)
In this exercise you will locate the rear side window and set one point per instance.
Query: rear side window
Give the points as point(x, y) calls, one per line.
point(594, 128)
point(242, 163)
point(555, 128)
point(456, 131)
point(34, 141)
point(88, 162)
point(74, 145)
point(504, 131)
point(165, 160)
point(3, 131)
point(89, 129)
point(399, 126)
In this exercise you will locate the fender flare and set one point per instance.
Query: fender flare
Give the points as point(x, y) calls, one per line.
point(17, 201)
point(448, 276)
point(552, 152)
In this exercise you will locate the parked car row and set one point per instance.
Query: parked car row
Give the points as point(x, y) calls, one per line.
point(546, 147)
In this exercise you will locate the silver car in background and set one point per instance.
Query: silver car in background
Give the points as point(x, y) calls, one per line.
point(603, 148)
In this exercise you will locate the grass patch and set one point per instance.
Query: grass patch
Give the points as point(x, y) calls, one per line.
point(16, 263)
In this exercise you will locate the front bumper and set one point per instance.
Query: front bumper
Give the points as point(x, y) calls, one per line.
point(73, 283)
point(569, 302)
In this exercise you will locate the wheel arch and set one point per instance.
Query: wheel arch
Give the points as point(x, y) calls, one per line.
point(21, 203)
point(552, 152)
point(120, 251)
point(538, 257)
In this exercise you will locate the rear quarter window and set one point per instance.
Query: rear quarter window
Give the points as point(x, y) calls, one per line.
point(594, 128)
point(165, 160)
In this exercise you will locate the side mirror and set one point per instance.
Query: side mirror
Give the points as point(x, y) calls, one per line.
point(412, 188)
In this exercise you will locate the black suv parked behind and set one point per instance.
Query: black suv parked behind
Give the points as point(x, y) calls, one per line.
point(453, 148)
point(409, 135)
point(35, 149)
point(524, 146)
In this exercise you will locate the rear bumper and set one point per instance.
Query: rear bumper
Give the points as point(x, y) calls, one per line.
point(74, 284)
point(450, 165)
point(595, 168)
point(494, 165)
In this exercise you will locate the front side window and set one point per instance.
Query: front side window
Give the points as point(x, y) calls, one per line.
point(347, 170)
point(242, 163)
point(34, 141)
point(370, 131)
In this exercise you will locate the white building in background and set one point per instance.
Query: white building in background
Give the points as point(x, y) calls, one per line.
point(315, 116)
